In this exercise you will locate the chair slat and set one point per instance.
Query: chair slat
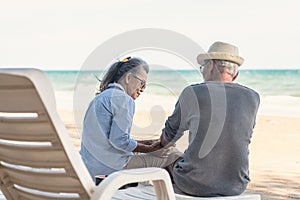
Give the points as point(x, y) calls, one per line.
point(33, 156)
point(36, 196)
point(20, 100)
point(25, 131)
point(48, 182)
point(38, 137)
point(12, 81)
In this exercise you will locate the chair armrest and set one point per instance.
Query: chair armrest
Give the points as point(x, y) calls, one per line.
point(160, 178)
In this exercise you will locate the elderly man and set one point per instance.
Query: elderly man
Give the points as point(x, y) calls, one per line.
point(220, 117)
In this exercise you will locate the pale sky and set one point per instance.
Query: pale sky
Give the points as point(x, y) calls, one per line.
point(60, 34)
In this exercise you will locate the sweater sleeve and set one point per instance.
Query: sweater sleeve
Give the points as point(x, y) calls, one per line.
point(177, 123)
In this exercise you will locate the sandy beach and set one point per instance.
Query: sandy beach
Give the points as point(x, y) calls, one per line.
point(274, 151)
point(274, 158)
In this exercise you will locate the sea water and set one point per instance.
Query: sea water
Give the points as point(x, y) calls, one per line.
point(279, 89)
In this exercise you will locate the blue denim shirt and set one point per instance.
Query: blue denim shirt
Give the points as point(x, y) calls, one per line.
point(106, 145)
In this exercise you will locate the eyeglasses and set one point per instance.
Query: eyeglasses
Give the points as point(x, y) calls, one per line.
point(143, 83)
point(201, 68)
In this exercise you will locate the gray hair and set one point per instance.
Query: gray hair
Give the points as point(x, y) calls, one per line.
point(118, 69)
point(222, 65)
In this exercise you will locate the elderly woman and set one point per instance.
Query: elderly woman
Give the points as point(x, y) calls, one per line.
point(106, 144)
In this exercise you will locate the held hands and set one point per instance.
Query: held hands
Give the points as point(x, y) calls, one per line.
point(147, 146)
point(154, 147)
point(147, 142)
point(162, 143)
point(164, 149)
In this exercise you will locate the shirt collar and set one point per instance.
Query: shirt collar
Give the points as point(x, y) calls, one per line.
point(116, 85)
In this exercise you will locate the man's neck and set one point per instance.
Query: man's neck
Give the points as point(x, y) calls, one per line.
point(224, 77)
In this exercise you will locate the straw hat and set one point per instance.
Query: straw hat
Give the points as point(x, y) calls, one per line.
point(221, 51)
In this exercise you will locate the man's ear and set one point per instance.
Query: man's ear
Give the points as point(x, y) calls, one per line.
point(210, 65)
point(235, 76)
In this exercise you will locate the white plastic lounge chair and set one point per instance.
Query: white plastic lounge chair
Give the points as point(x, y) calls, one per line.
point(38, 160)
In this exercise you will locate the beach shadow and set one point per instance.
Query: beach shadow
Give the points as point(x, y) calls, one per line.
point(274, 186)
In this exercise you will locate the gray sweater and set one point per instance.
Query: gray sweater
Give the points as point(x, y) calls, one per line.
point(220, 118)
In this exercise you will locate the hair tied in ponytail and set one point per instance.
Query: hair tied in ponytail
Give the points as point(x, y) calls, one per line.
point(126, 59)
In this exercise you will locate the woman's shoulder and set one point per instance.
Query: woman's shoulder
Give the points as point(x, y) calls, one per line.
point(114, 95)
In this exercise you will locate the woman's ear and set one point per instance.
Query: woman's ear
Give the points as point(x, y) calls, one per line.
point(127, 78)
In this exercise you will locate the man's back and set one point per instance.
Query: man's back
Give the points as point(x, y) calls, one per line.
point(220, 118)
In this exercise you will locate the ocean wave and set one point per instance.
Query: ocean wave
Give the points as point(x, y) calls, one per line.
point(279, 89)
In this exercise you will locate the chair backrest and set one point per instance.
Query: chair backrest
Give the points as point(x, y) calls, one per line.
point(37, 157)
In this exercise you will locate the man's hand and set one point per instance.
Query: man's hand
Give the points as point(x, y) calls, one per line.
point(165, 143)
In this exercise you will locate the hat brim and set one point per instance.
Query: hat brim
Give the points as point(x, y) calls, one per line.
point(201, 58)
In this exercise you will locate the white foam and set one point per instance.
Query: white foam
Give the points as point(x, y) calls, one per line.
point(270, 105)
point(280, 106)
